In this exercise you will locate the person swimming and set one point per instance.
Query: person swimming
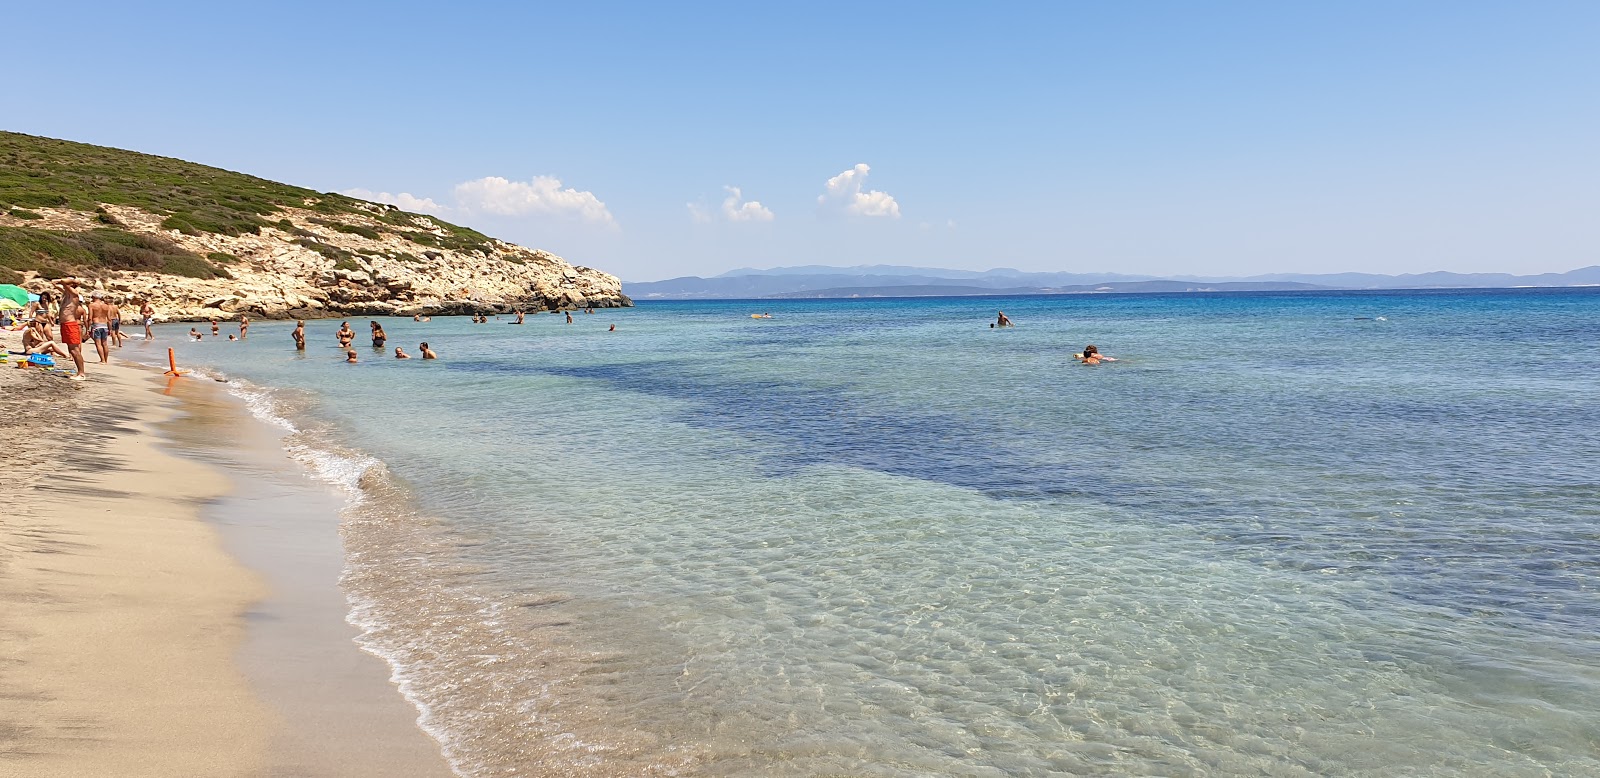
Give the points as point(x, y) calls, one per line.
point(1091, 356)
point(1004, 321)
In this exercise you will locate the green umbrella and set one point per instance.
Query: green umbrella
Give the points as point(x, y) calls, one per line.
point(15, 293)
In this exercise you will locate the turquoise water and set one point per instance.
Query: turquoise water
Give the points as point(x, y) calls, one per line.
point(1279, 536)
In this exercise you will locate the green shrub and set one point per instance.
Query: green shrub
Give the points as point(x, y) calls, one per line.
point(37, 199)
point(21, 214)
point(356, 229)
point(218, 256)
point(331, 252)
point(192, 266)
point(55, 254)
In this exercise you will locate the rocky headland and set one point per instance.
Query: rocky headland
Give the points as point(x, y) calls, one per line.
point(202, 243)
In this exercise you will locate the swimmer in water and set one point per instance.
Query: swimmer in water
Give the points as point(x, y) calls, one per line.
point(1004, 321)
point(350, 357)
point(1091, 356)
point(400, 353)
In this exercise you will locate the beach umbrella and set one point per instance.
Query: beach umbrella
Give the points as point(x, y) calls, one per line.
point(14, 293)
point(8, 304)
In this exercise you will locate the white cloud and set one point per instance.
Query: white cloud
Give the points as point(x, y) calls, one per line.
point(405, 201)
point(845, 190)
point(735, 209)
point(543, 194)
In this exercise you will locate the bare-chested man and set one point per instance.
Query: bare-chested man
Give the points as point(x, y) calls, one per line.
point(116, 322)
point(100, 324)
point(214, 329)
point(71, 324)
point(299, 335)
point(148, 313)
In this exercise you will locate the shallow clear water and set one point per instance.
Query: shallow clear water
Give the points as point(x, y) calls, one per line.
point(1280, 536)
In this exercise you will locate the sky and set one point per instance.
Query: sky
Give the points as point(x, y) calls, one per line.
point(655, 140)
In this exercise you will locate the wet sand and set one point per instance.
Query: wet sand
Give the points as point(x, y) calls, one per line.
point(168, 594)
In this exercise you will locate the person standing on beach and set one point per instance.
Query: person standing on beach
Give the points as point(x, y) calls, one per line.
point(244, 326)
point(100, 324)
point(72, 324)
point(299, 335)
point(116, 323)
point(148, 313)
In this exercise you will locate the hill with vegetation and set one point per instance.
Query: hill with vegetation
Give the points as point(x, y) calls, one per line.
point(202, 242)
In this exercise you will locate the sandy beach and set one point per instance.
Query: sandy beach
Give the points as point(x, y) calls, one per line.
point(132, 642)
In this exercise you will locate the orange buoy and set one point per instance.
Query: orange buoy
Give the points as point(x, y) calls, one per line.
point(172, 365)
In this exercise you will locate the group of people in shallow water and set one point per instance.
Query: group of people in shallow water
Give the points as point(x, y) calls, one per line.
point(1091, 353)
point(345, 336)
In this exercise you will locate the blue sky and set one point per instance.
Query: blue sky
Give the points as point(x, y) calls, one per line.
point(1148, 137)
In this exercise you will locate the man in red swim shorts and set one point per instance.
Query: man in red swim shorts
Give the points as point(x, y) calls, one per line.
point(72, 323)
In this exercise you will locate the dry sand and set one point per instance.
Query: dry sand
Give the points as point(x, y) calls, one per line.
point(120, 610)
point(122, 617)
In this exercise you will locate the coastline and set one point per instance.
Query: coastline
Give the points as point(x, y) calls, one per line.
point(139, 634)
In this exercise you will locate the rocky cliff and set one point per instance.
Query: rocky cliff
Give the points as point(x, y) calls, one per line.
point(303, 268)
point(200, 242)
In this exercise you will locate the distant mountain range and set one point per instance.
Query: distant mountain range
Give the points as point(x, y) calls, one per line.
point(902, 281)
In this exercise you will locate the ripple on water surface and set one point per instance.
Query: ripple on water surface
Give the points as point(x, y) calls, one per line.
point(882, 539)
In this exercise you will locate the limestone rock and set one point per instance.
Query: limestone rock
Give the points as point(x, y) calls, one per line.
point(278, 278)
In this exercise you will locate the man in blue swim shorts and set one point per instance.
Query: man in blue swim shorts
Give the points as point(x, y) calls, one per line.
point(100, 323)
